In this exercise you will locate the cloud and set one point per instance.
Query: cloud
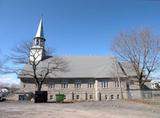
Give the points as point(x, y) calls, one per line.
point(9, 79)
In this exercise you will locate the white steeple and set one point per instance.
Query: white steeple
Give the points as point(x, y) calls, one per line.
point(37, 52)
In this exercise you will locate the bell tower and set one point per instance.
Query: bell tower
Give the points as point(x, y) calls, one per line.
point(37, 51)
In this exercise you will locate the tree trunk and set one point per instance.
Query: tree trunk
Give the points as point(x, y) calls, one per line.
point(128, 90)
point(141, 85)
point(39, 87)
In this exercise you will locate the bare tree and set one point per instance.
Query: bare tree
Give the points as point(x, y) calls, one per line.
point(2, 67)
point(140, 48)
point(3, 64)
point(21, 53)
point(37, 69)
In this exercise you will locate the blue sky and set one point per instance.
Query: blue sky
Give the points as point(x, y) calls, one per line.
point(75, 27)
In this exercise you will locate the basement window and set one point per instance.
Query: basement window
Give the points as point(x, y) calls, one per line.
point(51, 96)
point(112, 97)
point(64, 96)
point(77, 97)
point(106, 97)
point(118, 96)
point(90, 97)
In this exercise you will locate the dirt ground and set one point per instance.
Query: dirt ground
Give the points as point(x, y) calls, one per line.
point(106, 109)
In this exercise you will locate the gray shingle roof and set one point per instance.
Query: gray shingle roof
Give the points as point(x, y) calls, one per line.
point(87, 67)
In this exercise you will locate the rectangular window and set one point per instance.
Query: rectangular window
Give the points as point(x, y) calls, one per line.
point(112, 97)
point(104, 84)
point(90, 84)
point(77, 84)
point(51, 85)
point(118, 96)
point(64, 96)
point(77, 96)
point(106, 97)
point(64, 84)
point(116, 84)
point(51, 96)
point(90, 97)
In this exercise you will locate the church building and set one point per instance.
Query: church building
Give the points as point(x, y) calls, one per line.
point(89, 78)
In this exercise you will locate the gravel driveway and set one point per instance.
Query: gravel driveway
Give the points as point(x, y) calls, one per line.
point(107, 109)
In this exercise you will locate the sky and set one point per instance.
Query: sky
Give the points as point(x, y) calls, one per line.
point(74, 27)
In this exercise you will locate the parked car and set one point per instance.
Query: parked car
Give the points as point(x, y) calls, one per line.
point(2, 96)
point(4, 90)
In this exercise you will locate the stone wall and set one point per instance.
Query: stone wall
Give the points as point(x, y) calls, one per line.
point(83, 93)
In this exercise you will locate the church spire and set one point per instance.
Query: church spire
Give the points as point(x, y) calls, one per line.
point(38, 46)
point(39, 39)
point(40, 33)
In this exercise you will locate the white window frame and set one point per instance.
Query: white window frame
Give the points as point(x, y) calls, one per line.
point(77, 84)
point(104, 84)
point(51, 85)
point(64, 84)
point(90, 84)
point(116, 84)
